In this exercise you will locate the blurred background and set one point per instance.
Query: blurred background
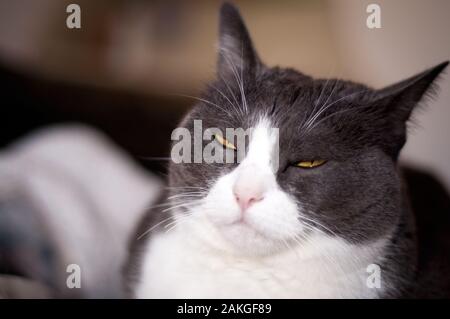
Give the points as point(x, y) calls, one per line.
point(121, 72)
point(168, 47)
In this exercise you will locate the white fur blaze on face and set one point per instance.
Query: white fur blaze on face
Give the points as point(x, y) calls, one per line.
point(247, 206)
point(227, 249)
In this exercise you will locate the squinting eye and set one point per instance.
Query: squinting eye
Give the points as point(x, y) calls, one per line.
point(224, 142)
point(310, 164)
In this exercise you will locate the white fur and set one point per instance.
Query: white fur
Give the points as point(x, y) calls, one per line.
point(178, 265)
point(219, 252)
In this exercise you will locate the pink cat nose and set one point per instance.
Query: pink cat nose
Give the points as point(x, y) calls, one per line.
point(250, 186)
point(247, 198)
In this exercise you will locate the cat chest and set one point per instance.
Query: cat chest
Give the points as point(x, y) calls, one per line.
point(173, 268)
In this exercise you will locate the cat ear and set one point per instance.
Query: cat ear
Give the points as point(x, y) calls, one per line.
point(236, 54)
point(401, 98)
point(397, 101)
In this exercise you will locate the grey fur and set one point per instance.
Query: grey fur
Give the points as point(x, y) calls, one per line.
point(358, 194)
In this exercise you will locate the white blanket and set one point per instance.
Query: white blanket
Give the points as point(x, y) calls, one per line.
point(68, 195)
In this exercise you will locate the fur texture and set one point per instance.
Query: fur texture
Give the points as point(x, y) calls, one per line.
point(308, 232)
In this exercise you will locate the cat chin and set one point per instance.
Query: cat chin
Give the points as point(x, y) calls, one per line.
point(245, 239)
point(235, 237)
point(256, 233)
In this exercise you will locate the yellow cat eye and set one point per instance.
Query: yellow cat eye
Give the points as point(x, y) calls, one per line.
point(224, 142)
point(310, 164)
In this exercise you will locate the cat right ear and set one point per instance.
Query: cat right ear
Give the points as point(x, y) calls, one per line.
point(402, 97)
point(236, 54)
point(398, 101)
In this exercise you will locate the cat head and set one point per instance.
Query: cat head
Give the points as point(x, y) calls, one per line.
point(335, 143)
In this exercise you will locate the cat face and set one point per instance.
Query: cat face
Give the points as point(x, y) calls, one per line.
point(335, 143)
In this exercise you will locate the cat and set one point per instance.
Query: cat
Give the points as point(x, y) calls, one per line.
point(333, 214)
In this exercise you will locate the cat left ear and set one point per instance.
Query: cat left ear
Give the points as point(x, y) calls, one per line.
point(236, 54)
point(401, 98)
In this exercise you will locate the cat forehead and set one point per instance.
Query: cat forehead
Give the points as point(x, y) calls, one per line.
point(287, 87)
point(284, 95)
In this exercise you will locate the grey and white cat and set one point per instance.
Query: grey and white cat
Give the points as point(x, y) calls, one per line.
point(311, 227)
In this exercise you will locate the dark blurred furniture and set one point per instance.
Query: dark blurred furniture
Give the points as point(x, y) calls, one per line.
point(139, 123)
